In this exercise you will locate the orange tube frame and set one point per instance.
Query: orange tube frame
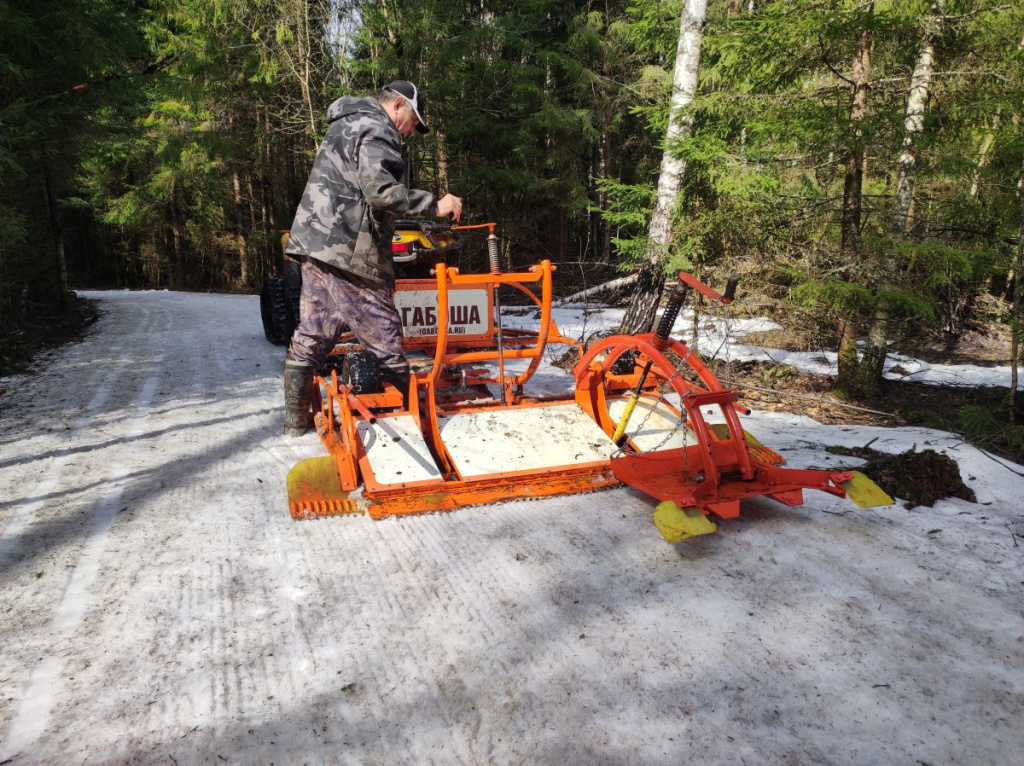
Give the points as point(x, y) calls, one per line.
point(691, 396)
point(448, 275)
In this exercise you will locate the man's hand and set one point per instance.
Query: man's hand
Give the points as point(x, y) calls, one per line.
point(451, 205)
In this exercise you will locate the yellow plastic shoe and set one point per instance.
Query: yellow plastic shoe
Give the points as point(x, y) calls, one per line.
point(314, 489)
point(677, 524)
point(864, 492)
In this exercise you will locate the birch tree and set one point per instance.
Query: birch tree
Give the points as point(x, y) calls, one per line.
point(872, 366)
point(853, 185)
point(644, 304)
point(913, 123)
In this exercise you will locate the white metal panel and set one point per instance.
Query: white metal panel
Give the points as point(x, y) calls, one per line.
point(396, 450)
point(523, 439)
point(467, 312)
point(652, 426)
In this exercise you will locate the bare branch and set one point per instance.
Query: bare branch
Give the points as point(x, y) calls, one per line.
point(153, 68)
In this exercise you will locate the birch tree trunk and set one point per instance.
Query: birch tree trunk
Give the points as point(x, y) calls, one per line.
point(606, 225)
point(257, 222)
point(606, 151)
point(441, 142)
point(984, 155)
point(298, 59)
point(241, 244)
point(872, 366)
point(179, 251)
point(913, 123)
point(644, 305)
point(240, 239)
point(389, 19)
point(270, 177)
point(305, 49)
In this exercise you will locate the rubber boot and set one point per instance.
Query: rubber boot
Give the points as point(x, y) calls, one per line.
point(298, 382)
point(399, 380)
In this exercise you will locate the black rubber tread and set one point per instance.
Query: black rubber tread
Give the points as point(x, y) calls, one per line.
point(624, 364)
point(292, 274)
point(361, 370)
point(292, 277)
point(334, 363)
point(275, 311)
point(267, 315)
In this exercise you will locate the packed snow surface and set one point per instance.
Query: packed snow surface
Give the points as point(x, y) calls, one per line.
point(159, 605)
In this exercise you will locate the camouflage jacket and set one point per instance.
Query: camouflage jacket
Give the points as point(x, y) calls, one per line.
point(347, 214)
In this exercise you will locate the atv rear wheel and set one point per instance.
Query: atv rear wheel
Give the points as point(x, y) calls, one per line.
point(361, 370)
point(278, 310)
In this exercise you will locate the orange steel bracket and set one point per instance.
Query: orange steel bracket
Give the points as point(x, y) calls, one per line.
point(541, 273)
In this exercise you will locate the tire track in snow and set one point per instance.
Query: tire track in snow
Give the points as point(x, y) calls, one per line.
point(241, 667)
point(32, 716)
point(388, 657)
point(10, 545)
point(410, 667)
point(219, 685)
point(445, 544)
point(327, 676)
point(495, 563)
point(435, 533)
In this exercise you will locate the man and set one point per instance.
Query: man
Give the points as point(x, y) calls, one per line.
point(342, 235)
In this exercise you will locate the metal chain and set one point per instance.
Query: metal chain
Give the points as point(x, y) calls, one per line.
point(661, 397)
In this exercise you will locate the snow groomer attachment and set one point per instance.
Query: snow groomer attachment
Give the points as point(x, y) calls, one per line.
point(712, 466)
point(466, 431)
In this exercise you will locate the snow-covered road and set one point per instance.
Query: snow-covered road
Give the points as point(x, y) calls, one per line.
point(160, 606)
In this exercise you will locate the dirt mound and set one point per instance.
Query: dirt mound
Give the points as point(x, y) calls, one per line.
point(920, 478)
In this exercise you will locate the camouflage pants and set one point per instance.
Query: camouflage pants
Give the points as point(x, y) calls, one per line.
point(330, 300)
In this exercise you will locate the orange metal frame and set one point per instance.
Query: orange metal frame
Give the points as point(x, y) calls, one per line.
point(719, 470)
point(478, 347)
point(712, 474)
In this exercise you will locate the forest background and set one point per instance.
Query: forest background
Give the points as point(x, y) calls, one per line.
point(859, 163)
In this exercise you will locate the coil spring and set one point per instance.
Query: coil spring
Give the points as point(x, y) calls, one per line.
point(672, 308)
point(493, 254)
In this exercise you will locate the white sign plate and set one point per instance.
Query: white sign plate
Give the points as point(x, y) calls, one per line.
point(467, 312)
